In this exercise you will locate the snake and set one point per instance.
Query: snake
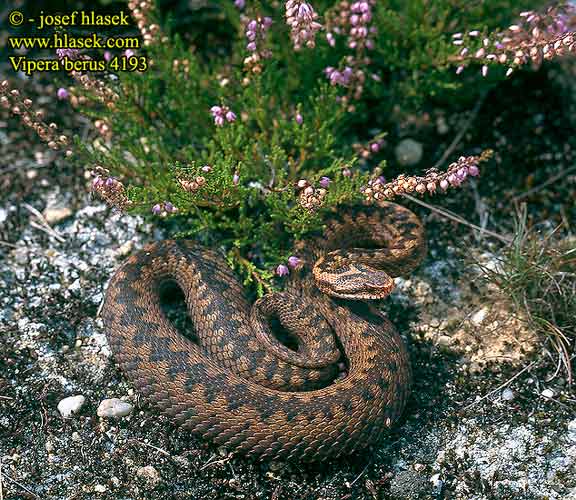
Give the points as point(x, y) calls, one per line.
point(309, 373)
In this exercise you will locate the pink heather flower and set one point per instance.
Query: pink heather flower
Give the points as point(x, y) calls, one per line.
point(62, 93)
point(444, 184)
point(107, 55)
point(346, 172)
point(473, 171)
point(236, 179)
point(325, 182)
point(240, 4)
point(299, 119)
point(256, 30)
point(282, 270)
point(336, 77)
point(128, 53)
point(69, 53)
point(301, 18)
point(293, 261)
point(330, 39)
point(169, 207)
point(206, 168)
point(222, 114)
point(157, 209)
point(374, 147)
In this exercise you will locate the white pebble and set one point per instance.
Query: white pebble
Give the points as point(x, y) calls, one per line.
point(572, 430)
point(548, 393)
point(408, 152)
point(507, 394)
point(114, 408)
point(149, 474)
point(479, 316)
point(56, 214)
point(70, 405)
point(100, 488)
point(437, 483)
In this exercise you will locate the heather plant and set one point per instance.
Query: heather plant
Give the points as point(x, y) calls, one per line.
point(250, 141)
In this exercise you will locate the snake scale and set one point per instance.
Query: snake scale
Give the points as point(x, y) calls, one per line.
point(343, 381)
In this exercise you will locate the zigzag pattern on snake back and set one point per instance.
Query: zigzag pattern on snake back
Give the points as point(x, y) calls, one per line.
point(237, 384)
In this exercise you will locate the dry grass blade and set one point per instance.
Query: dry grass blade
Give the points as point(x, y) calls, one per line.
point(537, 274)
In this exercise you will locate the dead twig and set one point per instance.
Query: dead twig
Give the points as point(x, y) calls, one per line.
point(460, 220)
point(42, 224)
point(20, 485)
point(500, 387)
point(539, 187)
point(164, 452)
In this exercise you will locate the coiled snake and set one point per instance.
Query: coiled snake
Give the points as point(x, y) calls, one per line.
point(238, 384)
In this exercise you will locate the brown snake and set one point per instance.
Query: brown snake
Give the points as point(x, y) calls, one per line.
point(237, 384)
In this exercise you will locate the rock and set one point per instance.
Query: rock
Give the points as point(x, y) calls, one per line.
point(408, 484)
point(572, 430)
point(55, 215)
point(68, 406)
point(149, 475)
point(114, 408)
point(479, 316)
point(408, 152)
point(125, 249)
point(547, 393)
point(435, 323)
point(507, 394)
point(437, 483)
point(444, 341)
point(100, 488)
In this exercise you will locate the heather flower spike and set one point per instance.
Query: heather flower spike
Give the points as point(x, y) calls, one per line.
point(534, 38)
point(302, 20)
point(457, 172)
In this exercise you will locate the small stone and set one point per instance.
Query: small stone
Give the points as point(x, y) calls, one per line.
point(479, 316)
point(572, 430)
point(68, 406)
point(125, 249)
point(76, 437)
point(507, 394)
point(548, 393)
point(149, 475)
point(408, 152)
point(114, 407)
point(55, 215)
point(49, 446)
point(437, 483)
point(434, 323)
point(100, 488)
point(444, 341)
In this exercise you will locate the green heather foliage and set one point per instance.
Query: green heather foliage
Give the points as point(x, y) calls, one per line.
point(163, 131)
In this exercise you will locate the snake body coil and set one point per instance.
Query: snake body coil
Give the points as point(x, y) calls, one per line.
point(238, 384)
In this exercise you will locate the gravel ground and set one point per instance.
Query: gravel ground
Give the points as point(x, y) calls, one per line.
point(463, 437)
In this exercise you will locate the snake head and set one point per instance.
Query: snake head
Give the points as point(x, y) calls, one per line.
point(354, 281)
